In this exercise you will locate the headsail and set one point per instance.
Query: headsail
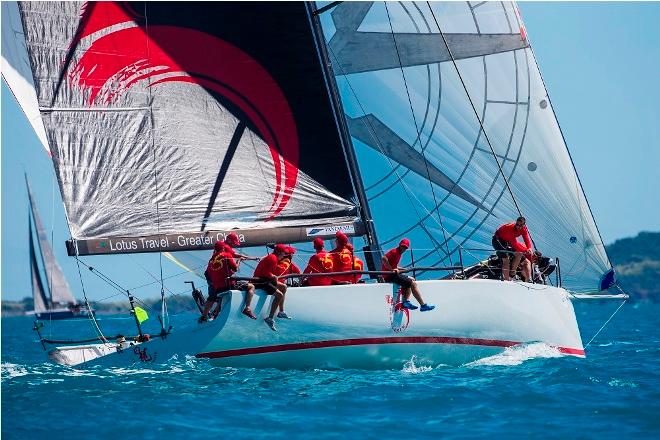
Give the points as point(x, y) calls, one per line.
point(60, 293)
point(213, 117)
point(457, 164)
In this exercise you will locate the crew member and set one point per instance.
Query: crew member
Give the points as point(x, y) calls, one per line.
point(505, 242)
point(320, 262)
point(231, 240)
point(390, 262)
point(356, 265)
point(267, 270)
point(342, 259)
point(221, 266)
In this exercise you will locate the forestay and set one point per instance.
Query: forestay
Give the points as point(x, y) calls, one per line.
point(170, 124)
point(438, 158)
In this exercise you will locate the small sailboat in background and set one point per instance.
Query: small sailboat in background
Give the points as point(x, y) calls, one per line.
point(284, 122)
point(51, 293)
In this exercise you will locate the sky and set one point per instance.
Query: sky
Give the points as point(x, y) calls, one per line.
point(601, 66)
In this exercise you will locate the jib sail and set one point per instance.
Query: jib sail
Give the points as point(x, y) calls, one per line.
point(173, 123)
point(455, 133)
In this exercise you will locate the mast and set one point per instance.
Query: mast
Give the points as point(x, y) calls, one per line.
point(372, 250)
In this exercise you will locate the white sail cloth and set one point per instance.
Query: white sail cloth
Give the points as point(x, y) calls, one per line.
point(450, 192)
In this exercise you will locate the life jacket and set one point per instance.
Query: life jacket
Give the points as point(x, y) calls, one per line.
point(221, 266)
point(320, 262)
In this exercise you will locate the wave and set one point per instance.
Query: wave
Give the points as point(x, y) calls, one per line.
point(518, 354)
point(410, 368)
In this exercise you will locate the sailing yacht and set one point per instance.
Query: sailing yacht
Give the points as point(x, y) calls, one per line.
point(51, 294)
point(173, 124)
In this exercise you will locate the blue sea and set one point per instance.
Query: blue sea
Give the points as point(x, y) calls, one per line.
point(528, 392)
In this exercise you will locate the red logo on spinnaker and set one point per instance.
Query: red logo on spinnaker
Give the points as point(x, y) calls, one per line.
point(123, 54)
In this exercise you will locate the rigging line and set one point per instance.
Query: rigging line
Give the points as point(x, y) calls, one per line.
point(606, 322)
point(90, 313)
point(405, 186)
point(474, 109)
point(151, 275)
point(419, 134)
point(49, 273)
point(156, 181)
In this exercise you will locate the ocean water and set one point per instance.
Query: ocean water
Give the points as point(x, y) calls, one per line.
point(529, 391)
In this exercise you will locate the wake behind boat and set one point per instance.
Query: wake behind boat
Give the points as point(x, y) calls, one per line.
point(286, 122)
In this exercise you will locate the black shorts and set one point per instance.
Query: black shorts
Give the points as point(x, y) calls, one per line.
point(502, 248)
point(400, 279)
point(213, 293)
point(270, 287)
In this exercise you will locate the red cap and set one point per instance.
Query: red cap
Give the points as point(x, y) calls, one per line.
point(405, 243)
point(280, 248)
point(341, 237)
point(232, 239)
point(290, 250)
point(318, 243)
point(218, 246)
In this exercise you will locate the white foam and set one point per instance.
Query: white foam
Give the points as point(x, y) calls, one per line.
point(518, 354)
point(9, 371)
point(410, 368)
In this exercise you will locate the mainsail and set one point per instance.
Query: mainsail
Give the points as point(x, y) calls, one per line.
point(452, 125)
point(56, 283)
point(38, 291)
point(172, 123)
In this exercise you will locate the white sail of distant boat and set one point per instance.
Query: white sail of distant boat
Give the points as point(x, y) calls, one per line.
point(378, 119)
point(52, 295)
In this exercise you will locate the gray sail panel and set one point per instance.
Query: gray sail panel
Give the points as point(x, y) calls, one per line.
point(38, 291)
point(60, 293)
point(141, 119)
point(425, 107)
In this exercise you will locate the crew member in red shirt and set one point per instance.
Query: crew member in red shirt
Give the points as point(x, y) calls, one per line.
point(231, 240)
point(320, 262)
point(356, 265)
point(221, 266)
point(390, 262)
point(342, 259)
point(267, 270)
point(505, 242)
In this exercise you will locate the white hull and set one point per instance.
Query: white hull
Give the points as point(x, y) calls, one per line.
point(359, 326)
point(356, 327)
point(157, 350)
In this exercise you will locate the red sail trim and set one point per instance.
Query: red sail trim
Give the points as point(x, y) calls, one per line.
point(108, 73)
point(371, 341)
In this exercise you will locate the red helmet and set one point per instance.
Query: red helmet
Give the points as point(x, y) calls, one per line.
point(405, 243)
point(280, 248)
point(232, 239)
point(290, 250)
point(318, 244)
point(341, 237)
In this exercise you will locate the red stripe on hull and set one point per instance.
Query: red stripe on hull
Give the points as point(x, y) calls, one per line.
point(370, 341)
